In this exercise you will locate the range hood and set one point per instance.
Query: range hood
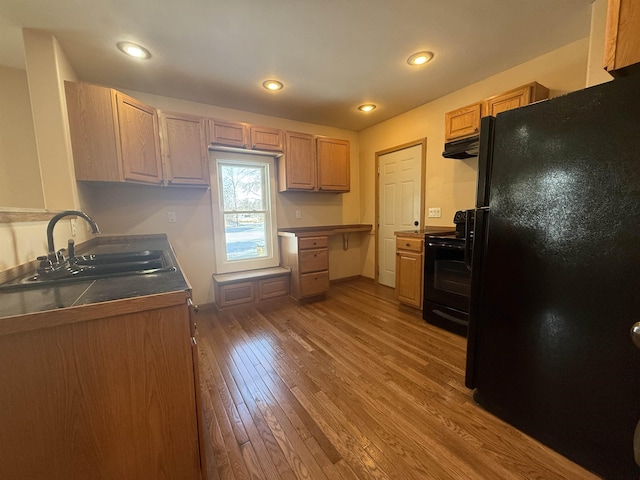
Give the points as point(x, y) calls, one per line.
point(463, 148)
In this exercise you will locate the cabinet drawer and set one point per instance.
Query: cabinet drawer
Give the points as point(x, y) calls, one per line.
point(314, 283)
point(236, 293)
point(411, 244)
point(314, 260)
point(313, 242)
point(273, 287)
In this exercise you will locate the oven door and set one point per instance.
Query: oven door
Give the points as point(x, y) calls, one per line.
point(447, 280)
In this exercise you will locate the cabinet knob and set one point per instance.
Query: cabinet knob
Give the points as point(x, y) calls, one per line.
point(408, 244)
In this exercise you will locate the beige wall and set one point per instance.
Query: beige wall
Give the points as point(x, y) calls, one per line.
point(47, 68)
point(131, 209)
point(20, 181)
point(451, 184)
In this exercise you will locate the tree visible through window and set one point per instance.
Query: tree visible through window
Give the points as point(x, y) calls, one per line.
point(244, 217)
point(244, 211)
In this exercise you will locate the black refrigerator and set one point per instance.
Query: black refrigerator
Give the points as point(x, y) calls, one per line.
point(556, 274)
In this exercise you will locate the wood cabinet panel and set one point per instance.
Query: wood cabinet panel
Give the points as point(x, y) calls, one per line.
point(102, 399)
point(332, 156)
point(265, 138)
point(273, 287)
point(463, 122)
point(139, 143)
point(308, 259)
point(313, 242)
point(114, 137)
point(236, 293)
point(92, 126)
point(409, 270)
point(314, 260)
point(231, 134)
point(312, 284)
point(518, 97)
point(184, 149)
point(622, 36)
point(297, 167)
point(409, 243)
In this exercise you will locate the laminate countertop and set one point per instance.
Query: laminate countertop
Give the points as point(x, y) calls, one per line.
point(322, 230)
point(37, 299)
point(421, 232)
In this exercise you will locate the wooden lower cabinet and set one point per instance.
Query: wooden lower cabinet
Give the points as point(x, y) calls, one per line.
point(409, 270)
point(110, 397)
point(250, 286)
point(308, 259)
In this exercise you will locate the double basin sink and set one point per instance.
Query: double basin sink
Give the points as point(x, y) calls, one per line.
point(97, 266)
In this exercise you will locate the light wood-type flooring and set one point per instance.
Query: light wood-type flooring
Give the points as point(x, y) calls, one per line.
point(354, 386)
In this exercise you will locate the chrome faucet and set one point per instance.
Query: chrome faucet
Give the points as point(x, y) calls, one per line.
point(56, 257)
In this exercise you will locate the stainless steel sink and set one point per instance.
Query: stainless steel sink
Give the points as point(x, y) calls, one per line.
point(96, 266)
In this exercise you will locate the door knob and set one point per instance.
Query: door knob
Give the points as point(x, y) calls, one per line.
point(635, 334)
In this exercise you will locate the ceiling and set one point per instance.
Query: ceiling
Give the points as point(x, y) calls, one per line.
point(332, 55)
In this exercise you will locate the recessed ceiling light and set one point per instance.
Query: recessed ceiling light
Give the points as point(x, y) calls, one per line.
point(133, 50)
point(272, 85)
point(367, 107)
point(420, 58)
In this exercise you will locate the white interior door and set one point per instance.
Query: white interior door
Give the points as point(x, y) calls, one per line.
point(399, 185)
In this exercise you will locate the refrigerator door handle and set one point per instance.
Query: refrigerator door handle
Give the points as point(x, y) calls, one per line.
point(468, 237)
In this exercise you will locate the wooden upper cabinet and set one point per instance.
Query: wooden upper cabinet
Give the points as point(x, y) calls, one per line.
point(332, 156)
point(622, 37)
point(184, 149)
point(518, 97)
point(265, 138)
point(297, 167)
point(463, 122)
point(114, 137)
point(139, 142)
point(230, 134)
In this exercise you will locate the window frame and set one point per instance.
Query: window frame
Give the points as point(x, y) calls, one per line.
point(268, 162)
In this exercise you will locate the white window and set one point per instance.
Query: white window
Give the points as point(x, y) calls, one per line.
point(244, 216)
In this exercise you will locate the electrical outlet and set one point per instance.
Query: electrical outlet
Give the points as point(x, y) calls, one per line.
point(73, 227)
point(298, 214)
point(171, 216)
point(435, 212)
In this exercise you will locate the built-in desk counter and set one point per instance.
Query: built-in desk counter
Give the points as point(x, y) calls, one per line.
point(305, 250)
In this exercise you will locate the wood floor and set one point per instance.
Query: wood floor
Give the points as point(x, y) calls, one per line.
point(351, 387)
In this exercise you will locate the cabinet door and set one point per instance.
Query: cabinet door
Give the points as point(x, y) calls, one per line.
point(124, 385)
point(622, 37)
point(297, 167)
point(196, 379)
point(184, 149)
point(138, 140)
point(409, 267)
point(518, 97)
point(92, 127)
point(265, 138)
point(230, 134)
point(462, 122)
point(333, 164)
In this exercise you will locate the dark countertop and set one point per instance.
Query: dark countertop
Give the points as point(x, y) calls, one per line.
point(40, 299)
point(421, 232)
point(322, 230)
